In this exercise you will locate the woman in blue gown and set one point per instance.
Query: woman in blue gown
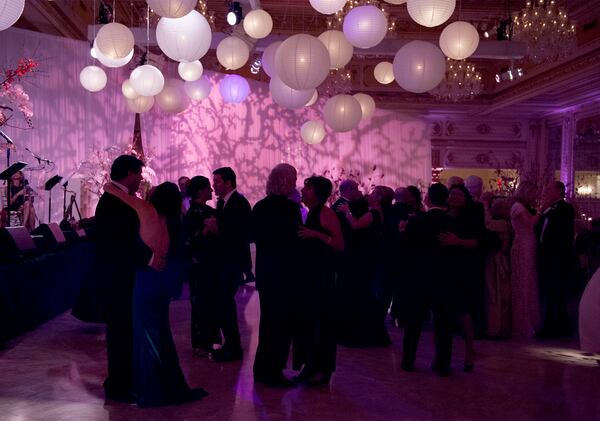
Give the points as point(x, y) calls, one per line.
point(158, 379)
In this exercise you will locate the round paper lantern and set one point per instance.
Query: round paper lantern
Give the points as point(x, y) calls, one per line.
point(342, 113)
point(258, 23)
point(128, 90)
point(288, 97)
point(232, 53)
point(114, 40)
point(10, 12)
point(430, 13)
point(365, 26)
point(395, 1)
point(327, 7)
point(419, 66)
point(459, 40)
point(384, 72)
point(312, 132)
point(198, 89)
point(184, 39)
point(173, 98)
point(314, 98)
point(172, 8)
point(234, 89)
point(268, 58)
point(141, 104)
point(340, 50)
point(93, 78)
point(190, 71)
point(147, 80)
point(302, 62)
point(107, 61)
point(367, 104)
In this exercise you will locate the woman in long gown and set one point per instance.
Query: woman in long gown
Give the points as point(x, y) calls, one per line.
point(363, 324)
point(524, 288)
point(589, 316)
point(158, 379)
point(315, 347)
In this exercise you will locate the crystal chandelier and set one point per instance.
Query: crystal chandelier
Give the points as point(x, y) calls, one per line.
point(338, 82)
point(336, 21)
point(546, 30)
point(461, 83)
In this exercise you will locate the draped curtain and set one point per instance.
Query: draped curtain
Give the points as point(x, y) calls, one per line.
point(70, 124)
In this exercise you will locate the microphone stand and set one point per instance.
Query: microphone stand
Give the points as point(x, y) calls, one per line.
point(8, 142)
point(8, 182)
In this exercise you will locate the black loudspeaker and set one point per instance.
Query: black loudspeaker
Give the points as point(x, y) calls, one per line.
point(54, 238)
point(15, 244)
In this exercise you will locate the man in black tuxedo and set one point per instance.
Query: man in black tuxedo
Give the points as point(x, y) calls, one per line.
point(119, 251)
point(233, 250)
point(434, 289)
point(556, 259)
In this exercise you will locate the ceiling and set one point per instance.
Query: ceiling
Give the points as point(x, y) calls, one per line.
point(544, 90)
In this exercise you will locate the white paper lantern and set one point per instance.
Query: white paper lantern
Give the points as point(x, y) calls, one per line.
point(198, 89)
point(128, 90)
point(384, 72)
point(365, 26)
point(288, 97)
point(92, 78)
point(107, 61)
point(340, 50)
point(459, 40)
point(232, 53)
point(141, 104)
point(367, 104)
point(258, 23)
point(114, 41)
point(395, 1)
point(268, 58)
point(342, 113)
point(302, 62)
point(313, 99)
point(184, 39)
point(234, 89)
point(312, 132)
point(172, 8)
point(10, 12)
point(173, 98)
point(147, 80)
point(419, 66)
point(327, 7)
point(190, 71)
point(430, 13)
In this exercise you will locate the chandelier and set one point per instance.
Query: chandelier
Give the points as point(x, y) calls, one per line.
point(338, 82)
point(546, 30)
point(336, 21)
point(461, 83)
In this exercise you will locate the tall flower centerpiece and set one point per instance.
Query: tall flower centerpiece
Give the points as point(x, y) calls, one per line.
point(13, 95)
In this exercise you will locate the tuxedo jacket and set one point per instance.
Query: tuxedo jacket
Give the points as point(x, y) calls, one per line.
point(435, 262)
point(555, 234)
point(233, 237)
point(119, 248)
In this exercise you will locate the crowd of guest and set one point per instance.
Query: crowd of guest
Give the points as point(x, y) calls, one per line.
point(476, 265)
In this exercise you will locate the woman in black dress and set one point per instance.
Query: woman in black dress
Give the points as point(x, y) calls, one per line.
point(363, 325)
point(200, 254)
point(315, 342)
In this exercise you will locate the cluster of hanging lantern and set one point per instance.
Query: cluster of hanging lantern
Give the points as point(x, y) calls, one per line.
point(297, 66)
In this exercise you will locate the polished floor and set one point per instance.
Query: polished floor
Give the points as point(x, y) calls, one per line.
point(56, 372)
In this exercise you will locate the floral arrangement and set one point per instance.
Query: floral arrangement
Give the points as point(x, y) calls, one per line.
point(99, 164)
point(337, 175)
point(14, 94)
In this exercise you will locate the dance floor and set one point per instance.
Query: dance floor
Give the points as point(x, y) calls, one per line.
point(56, 373)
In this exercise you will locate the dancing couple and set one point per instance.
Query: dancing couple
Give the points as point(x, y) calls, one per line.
point(138, 246)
